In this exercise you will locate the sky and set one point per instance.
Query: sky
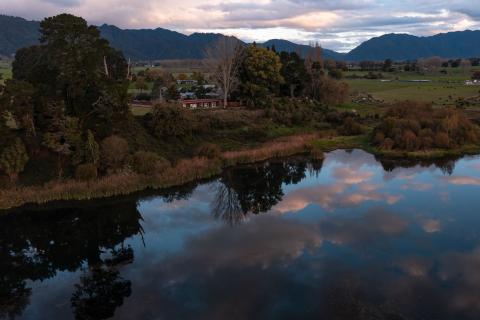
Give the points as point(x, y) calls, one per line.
point(336, 24)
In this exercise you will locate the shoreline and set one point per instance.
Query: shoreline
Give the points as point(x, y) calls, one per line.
point(199, 168)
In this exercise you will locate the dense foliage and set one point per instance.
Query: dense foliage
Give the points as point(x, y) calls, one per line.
point(415, 126)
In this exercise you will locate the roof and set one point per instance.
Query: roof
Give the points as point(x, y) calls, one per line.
point(201, 100)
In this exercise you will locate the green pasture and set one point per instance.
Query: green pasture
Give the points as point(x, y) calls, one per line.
point(444, 89)
point(5, 70)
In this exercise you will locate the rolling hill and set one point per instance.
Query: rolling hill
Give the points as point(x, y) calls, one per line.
point(158, 44)
point(461, 44)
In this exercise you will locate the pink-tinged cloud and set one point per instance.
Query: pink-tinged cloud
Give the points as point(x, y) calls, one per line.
point(431, 225)
point(339, 25)
point(334, 196)
point(463, 181)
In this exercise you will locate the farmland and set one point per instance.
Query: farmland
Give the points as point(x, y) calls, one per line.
point(442, 90)
point(5, 70)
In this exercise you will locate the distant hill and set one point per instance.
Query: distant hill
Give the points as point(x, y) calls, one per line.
point(284, 45)
point(158, 44)
point(16, 33)
point(461, 44)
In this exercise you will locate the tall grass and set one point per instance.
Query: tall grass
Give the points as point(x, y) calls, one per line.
point(118, 184)
point(185, 170)
point(283, 147)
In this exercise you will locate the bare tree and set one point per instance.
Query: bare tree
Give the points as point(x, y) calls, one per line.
point(431, 64)
point(466, 65)
point(223, 58)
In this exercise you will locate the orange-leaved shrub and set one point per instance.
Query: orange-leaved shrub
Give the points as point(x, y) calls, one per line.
point(416, 126)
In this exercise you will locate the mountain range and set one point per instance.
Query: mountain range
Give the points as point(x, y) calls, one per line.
point(160, 44)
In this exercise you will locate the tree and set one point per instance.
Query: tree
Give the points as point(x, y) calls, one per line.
point(18, 98)
point(387, 65)
point(430, 64)
point(13, 159)
point(140, 84)
point(224, 59)
point(172, 93)
point(114, 152)
point(156, 93)
point(260, 75)
point(466, 65)
point(73, 64)
point(294, 73)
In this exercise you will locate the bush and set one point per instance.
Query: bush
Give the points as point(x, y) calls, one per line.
point(416, 126)
point(336, 74)
point(170, 121)
point(351, 128)
point(209, 150)
point(13, 159)
point(145, 162)
point(86, 172)
point(143, 97)
point(114, 152)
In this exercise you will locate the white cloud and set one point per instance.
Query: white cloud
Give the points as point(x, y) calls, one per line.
point(339, 25)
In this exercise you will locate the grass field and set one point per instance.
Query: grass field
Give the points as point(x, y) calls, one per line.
point(444, 89)
point(5, 70)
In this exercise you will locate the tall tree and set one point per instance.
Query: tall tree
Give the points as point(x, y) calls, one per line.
point(75, 65)
point(293, 72)
point(260, 75)
point(224, 59)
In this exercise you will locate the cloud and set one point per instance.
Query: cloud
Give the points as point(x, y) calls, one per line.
point(336, 24)
point(462, 181)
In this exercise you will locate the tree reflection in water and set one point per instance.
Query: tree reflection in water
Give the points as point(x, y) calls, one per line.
point(254, 189)
point(36, 245)
point(99, 293)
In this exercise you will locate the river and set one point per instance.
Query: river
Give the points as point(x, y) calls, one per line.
point(349, 237)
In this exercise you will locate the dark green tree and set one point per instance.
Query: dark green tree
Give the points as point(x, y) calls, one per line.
point(294, 73)
point(259, 76)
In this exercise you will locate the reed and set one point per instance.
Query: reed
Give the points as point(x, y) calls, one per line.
point(283, 147)
point(127, 181)
point(113, 185)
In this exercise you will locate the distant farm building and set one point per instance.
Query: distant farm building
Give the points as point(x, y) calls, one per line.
point(472, 82)
point(187, 82)
point(202, 103)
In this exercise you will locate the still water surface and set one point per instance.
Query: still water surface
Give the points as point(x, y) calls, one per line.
point(349, 238)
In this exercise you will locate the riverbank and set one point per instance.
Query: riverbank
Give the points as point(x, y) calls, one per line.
point(197, 168)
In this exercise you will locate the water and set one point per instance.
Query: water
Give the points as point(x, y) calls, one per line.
point(349, 238)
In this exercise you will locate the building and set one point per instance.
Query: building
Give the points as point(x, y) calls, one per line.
point(187, 82)
point(202, 103)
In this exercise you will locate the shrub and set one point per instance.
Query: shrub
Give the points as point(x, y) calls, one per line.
point(415, 126)
point(442, 140)
point(13, 159)
point(145, 162)
point(170, 121)
point(351, 128)
point(114, 151)
point(336, 74)
point(209, 150)
point(86, 172)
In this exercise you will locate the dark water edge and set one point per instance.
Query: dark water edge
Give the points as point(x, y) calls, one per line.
point(350, 237)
